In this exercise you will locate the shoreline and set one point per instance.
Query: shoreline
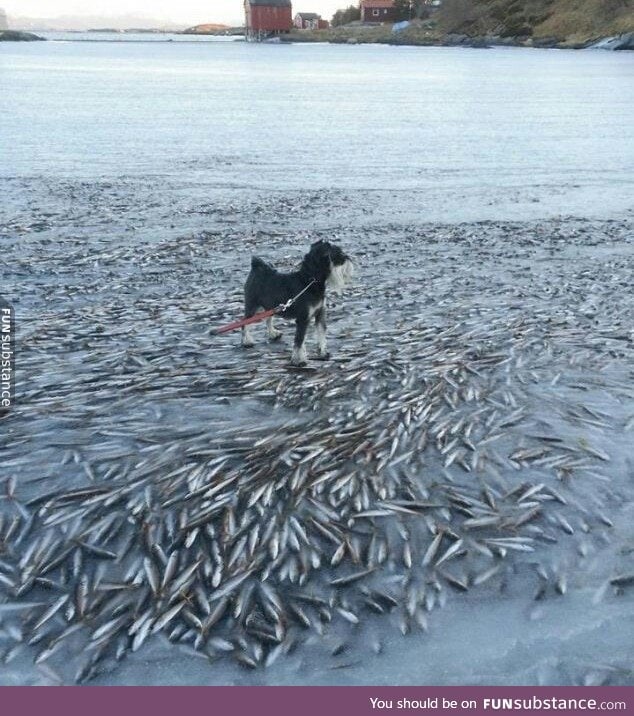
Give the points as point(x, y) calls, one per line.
point(412, 36)
point(416, 37)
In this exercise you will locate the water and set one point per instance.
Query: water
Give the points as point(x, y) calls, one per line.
point(469, 133)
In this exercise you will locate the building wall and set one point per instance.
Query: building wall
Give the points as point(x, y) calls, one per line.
point(386, 14)
point(269, 19)
point(316, 24)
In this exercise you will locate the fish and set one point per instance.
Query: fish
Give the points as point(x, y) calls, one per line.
point(288, 505)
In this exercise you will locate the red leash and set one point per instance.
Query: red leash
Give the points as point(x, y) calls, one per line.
point(245, 321)
point(262, 315)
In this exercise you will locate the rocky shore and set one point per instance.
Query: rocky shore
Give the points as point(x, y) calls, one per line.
point(419, 35)
point(19, 36)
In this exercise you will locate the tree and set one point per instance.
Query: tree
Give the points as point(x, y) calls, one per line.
point(421, 9)
point(343, 17)
point(410, 9)
point(404, 9)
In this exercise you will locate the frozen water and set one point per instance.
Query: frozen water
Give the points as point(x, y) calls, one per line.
point(477, 190)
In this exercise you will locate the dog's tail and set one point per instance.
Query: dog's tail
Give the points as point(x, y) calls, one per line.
point(257, 263)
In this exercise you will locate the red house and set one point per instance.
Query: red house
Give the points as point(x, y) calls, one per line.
point(377, 11)
point(267, 17)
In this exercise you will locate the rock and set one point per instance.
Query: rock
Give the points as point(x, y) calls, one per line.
point(619, 42)
point(545, 42)
point(455, 39)
point(626, 42)
point(18, 36)
point(478, 42)
point(498, 41)
point(352, 41)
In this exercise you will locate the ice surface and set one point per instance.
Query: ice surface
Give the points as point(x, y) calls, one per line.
point(482, 206)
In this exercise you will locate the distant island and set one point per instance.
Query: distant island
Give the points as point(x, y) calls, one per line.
point(18, 36)
point(84, 23)
point(135, 30)
point(213, 29)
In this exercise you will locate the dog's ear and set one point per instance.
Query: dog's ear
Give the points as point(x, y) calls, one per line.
point(318, 259)
point(320, 249)
point(324, 247)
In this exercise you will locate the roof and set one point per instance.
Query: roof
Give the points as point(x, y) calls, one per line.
point(309, 15)
point(271, 3)
point(377, 3)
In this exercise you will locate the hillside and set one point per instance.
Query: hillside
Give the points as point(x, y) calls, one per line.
point(565, 20)
point(542, 23)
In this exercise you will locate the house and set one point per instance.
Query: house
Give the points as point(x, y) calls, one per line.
point(306, 20)
point(310, 21)
point(4, 23)
point(378, 11)
point(264, 18)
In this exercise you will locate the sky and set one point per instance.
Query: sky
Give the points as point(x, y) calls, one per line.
point(178, 11)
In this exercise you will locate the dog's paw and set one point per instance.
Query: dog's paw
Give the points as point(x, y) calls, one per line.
point(322, 356)
point(299, 363)
point(275, 336)
point(248, 344)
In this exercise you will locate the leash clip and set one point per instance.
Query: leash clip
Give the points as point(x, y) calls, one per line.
point(285, 306)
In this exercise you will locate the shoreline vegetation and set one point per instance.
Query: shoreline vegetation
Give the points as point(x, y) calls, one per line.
point(425, 36)
point(486, 23)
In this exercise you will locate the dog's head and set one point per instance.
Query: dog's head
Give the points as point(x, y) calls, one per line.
point(330, 264)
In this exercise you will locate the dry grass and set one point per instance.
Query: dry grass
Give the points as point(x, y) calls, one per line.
point(587, 19)
point(571, 22)
point(564, 19)
point(382, 33)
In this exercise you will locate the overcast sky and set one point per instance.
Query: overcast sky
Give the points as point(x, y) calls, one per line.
point(180, 11)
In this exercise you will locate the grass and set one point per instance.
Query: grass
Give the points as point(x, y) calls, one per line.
point(587, 19)
point(570, 22)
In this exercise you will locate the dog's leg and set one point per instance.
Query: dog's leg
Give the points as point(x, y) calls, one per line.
point(274, 334)
point(299, 356)
point(320, 333)
point(247, 337)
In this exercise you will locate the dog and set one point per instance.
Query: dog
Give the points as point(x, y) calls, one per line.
point(324, 266)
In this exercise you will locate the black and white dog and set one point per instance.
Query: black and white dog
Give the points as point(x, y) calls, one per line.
point(324, 266)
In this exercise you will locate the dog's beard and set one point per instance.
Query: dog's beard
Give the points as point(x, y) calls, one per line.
point(340, 276)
